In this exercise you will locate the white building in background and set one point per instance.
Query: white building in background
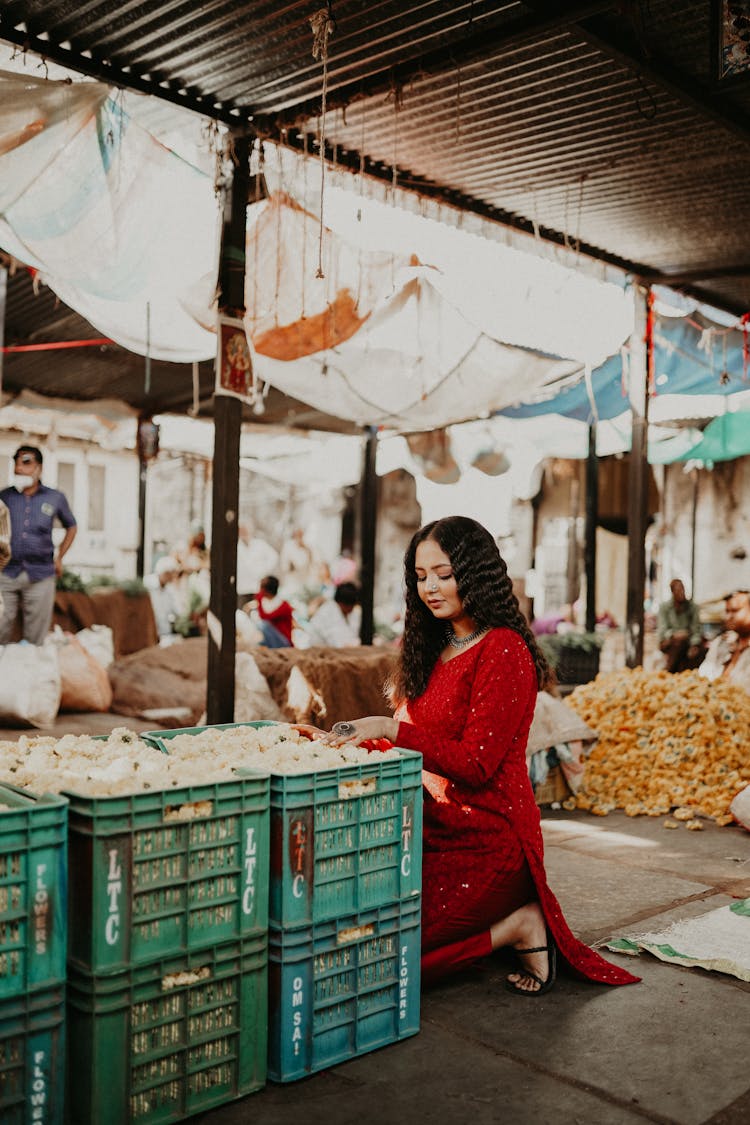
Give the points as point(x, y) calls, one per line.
point(101, 486)
point(94, 462)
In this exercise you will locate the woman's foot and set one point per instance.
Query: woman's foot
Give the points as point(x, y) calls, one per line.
point(526, 930)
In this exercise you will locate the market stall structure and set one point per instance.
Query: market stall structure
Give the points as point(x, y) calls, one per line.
point(589, 201)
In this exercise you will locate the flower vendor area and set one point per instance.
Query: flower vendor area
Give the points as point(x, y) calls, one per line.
point(668, 745)
point(200, 917)
point(194, 910)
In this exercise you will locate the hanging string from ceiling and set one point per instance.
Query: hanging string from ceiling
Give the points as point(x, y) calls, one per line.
point(323, 27)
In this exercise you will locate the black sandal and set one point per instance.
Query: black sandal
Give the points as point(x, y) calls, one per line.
point(544, 985)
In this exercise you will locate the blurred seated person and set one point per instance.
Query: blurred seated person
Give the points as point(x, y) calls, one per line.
point(344, 568)
point(556, 621)
point(728, 655)
point(337, 623)
point(297, 562)
point(255, 558)
point(161, 590)
point(321, 589)
point(275, 617)
point(678, 630)
point(195, 555)
point(194, 584)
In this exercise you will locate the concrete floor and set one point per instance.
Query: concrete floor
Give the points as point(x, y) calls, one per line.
point(674, 1049)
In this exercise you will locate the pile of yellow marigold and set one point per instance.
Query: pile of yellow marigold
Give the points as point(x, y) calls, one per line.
point(664, 741)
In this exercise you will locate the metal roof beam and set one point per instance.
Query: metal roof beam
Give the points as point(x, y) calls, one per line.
point(107, 72)
point(689, 277)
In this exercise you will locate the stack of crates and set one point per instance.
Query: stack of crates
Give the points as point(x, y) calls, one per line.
point(168, 951)
point(33, 910)
point(345, 909)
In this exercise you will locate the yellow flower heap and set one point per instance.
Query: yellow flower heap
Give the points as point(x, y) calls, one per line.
point(664, 740)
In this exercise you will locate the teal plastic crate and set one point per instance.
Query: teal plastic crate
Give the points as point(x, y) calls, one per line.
point(32, 1058)
point(341, 988)
point(342, 840)
point(345, 840)
point(166, 871)
point(168, 1039)
point(33, 891)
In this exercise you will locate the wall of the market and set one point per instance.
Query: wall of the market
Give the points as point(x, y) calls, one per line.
point(722, 533)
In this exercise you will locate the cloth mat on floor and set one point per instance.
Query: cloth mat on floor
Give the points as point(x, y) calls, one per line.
point(718, 940)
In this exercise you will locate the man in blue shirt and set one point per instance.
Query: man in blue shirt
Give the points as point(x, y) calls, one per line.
point(28, 580)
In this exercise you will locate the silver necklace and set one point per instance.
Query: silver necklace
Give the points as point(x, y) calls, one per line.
point(462, 642)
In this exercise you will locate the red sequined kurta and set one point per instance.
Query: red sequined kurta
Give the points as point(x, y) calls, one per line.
point(483, 851)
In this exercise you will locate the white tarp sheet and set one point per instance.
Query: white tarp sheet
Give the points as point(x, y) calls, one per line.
point(126, 231)
point(416, 363)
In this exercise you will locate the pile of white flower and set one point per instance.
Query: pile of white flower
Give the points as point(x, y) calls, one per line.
point(124, 763)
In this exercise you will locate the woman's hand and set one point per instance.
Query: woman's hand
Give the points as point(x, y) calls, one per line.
point(369, 729)
point(315, 734)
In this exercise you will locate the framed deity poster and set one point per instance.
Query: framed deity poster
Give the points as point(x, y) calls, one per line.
point(234, 365)
point(731, 40)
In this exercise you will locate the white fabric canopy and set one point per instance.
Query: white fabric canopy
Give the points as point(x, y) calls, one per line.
point(112, 219)
point(126, 232)
point(415, 364)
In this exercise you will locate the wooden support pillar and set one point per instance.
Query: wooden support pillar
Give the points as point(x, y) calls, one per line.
point(367, 525)
point(641, 358)
point(592, 517)
point(693, 527)
point(227, 427)
point(573, 576)
point(140, 557)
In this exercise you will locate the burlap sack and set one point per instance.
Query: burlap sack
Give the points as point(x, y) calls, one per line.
point(84, 683)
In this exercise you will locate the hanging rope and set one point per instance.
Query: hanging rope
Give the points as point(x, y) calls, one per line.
point(397, 94)
point(147, 382)
point(256, 229)
point(578, 217)
point(323, 26)
point(744, 320)
point(304, 228)
point(195, 408)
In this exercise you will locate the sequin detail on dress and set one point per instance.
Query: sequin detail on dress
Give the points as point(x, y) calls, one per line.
point(482, 826)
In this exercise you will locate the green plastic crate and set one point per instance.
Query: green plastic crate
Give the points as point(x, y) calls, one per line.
point(341, 988)
point(33, 891)
point(165, 1040)
point(342, 840)
point(166, 871)
point(32, 1058)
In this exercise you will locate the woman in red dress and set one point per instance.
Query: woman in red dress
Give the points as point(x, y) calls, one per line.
point(465, 690)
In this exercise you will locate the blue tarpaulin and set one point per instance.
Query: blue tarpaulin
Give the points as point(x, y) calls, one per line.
point(682, 367)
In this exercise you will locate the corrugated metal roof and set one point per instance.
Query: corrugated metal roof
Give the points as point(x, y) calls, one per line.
point(598, 125)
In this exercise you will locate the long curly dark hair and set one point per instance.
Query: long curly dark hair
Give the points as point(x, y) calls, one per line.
point(484, 588)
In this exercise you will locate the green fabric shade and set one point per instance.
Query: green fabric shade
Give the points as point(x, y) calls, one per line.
point(724, 438)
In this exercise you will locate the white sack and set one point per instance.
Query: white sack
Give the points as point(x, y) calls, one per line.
point(29, 685)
